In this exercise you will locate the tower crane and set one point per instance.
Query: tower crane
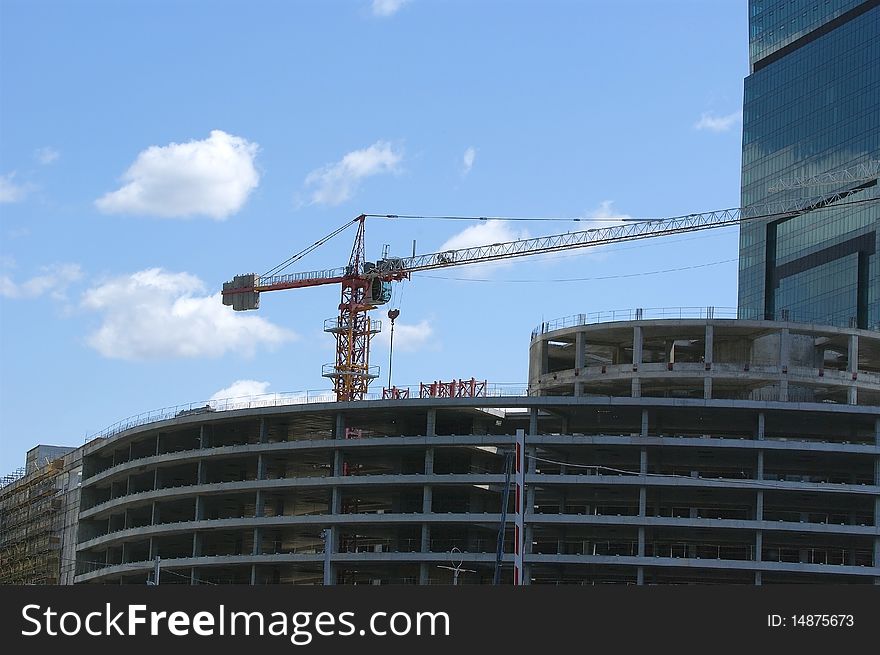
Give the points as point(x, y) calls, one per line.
point(365, 285)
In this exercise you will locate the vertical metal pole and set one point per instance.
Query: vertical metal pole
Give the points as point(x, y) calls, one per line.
point(390, 353)
point(520, 504)
point(156, 570)
point(499, 551)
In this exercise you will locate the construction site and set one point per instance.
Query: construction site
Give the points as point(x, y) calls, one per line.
point(677, 446)
point(689, 445)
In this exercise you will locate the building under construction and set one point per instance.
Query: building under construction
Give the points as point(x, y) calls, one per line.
point(698, 449)
point(39, 513)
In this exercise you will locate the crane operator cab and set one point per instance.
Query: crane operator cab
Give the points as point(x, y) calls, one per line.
point(379, 292)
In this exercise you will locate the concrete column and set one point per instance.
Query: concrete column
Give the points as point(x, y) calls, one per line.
point(640, 575)
point(203, 437)
point(264, 430)
point(258, 542)
point(759, 432)
point(431, 426)
point(155, 519)
point(641, 551)
point(158, 434)
point(533, 421)
point(427, 504)
point(784, 361)
point(853, 367)
point(579, 362)
point(645, 416)
point(258, 504)
point(261, 467)
point(330, 535)
point(202, 473)
point(253, 574)
point(759, 506)
point(710, 344)
point(707, 359)
point(200, 508)
point(636, 388)
point(853, 354)
point(637, 346)
point(544, 348)
point(339, 430)
point(427, 500)
point(759, 470)
point(156, 479)
point(153, 549)
point(197, 544)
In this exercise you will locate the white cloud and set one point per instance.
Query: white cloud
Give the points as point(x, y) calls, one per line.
point(407, 338)
point(387, 7)
point(713, 123)
point(607, 213)
point(242, 389)
point(483, 234)
point(335, 183)
point(9, 190)
point(213, 177)
point(154, 314)
point(467, 161)
point(46, 155)
point(53, 280)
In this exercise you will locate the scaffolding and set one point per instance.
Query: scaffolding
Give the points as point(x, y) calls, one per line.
point(31, 510)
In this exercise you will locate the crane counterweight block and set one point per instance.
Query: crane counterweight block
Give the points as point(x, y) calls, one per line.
point(240, 293)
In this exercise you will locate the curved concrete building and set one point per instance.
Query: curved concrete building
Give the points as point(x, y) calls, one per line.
point(658, 451)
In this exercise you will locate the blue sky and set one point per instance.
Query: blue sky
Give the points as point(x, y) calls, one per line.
point(151, 150)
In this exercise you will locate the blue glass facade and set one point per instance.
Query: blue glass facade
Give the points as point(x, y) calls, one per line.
point(811, 105)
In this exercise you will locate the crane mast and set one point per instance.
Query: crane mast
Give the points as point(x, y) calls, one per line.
point(365, 285)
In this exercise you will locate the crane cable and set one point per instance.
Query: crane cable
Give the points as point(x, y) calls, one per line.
point(581, 279)
point(627, 219)
point(283, 265)
point(302, 253)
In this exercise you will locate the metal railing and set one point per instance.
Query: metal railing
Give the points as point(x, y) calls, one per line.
point(637, 314)
point(280, 399)
point(653, 313)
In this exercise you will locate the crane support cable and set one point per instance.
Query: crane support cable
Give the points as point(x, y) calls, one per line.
point(578, 279)
point(302, 253)
point(624, 232)
point(575, 219)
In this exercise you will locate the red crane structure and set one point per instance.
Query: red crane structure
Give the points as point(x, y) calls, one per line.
point(366, 285)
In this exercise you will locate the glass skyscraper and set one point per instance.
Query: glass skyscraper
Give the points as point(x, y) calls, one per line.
point(811, 106)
